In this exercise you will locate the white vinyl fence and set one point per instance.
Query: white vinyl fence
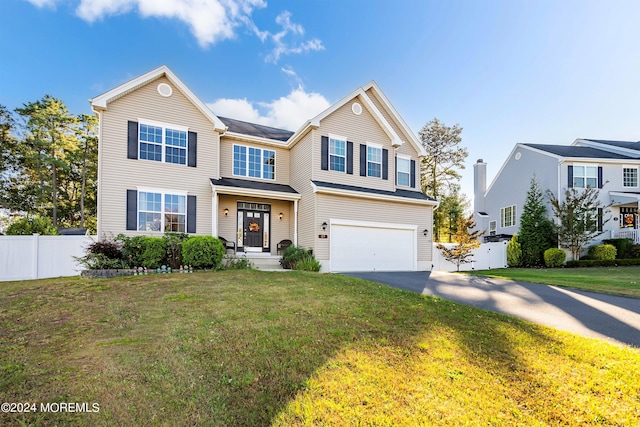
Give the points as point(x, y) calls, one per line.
point(488, 256)
point(39, 257)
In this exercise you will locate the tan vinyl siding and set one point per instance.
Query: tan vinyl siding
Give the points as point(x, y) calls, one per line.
point(118, 174)
point(358, 129)
point(301, 158)
point(356, 209)
point(226, 164)
point(396, 126)
point(280, 229)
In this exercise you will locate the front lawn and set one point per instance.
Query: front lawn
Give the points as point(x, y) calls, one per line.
point(611, 280)
point(260, 348)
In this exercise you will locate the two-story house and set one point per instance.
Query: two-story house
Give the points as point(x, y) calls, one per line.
point(609, 165)
point(345, 184)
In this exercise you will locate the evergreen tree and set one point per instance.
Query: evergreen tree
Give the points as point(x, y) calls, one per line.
point(452, 207)
point(536, 233)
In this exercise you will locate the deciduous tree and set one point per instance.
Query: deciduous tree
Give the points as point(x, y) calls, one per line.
point(467, 242)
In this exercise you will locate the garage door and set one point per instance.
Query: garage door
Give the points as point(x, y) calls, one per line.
point(369, 248)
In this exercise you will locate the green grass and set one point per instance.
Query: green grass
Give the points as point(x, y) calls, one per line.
point(254, 348)
point(611, 280)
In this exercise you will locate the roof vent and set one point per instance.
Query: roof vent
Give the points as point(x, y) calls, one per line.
point(165, 90)
point(356, 108)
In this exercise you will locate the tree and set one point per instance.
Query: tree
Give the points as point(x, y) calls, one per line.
point(49, 138)
point(580, 218)
point(452, 206)
point(536, 229)
point(467, 242)
point(439, 166)
point(7, 140)
point(514, 252)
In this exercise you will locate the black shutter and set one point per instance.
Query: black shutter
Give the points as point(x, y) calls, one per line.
point(413, 174)
point(385, 163)
point(600, 212)
point(350, 158)
point(132, 140)
point(324, 153)
point(600, 182)
point(570, 173)
point(363, 160)
point(192, 149)
point(395, 167)
point(132, 209)
point(191, 214)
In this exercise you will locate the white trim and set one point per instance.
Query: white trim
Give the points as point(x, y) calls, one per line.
point(637, 176)
point(295, 223)
point(215, 201)
point(252, 192)
point(337, 137)
point(163, 144)
point(163, 194)
point(102, 101)
point(407, 158)
point(377, 147)
point(372, 196)
point(256, 139)
point(162, 190)
point(514, 216)
point(162, 124)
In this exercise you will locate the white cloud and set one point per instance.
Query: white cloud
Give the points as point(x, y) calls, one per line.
point(287, 112)
point(284, 48)
point(209, 20)
point(43, 3)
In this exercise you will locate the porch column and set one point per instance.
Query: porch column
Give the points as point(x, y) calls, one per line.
point(214, 214)
point(295, 222)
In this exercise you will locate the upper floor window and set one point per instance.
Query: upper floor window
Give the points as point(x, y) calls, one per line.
point(163, 143)
point(585, 176)
point(337, 154)
point(629, 176)
point(508, 216)
point(374, 161)
point(492, 228)
point(254, 162)
point(404, 171)
point(162, 212)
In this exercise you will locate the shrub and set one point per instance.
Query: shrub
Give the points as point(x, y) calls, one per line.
point(602, 252)
point(108, 248)
point(514, 252)
point(29, 225)
point(554, 257)
point(293, 255)
point(99, 261)
point(173, 242)
point(143, 251)
point(203, 251)
point(309, 263)
point(624, 247)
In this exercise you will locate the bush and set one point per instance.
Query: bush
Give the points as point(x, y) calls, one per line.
point(143, 251)
point(108, 248)
point(554, 257)
point(602, 252)
point(237, 263)
point(514, 252)
point(99, 261)
point(308, 264)
point(624, 247)
point(203, 252)
point(28, 225)
point(293, 255)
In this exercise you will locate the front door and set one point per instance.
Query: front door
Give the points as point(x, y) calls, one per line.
point(253, 230)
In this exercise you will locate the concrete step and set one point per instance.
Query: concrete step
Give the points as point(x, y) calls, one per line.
point(260, 261)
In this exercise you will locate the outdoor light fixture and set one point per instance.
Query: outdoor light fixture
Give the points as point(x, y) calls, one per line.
point(280, 215)
point(425, 232)
point(226, 211)
point(324, 225)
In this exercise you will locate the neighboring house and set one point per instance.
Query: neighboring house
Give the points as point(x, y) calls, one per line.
point(586, 162)
point(345, 184)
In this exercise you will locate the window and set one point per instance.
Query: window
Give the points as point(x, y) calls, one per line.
point(254, 162)
point(508, 216)
point(585, 176)
point(629, 176)
point(404, 171)
point(337, 154)
point(492, 228)
point(162, 212)
point(163, 143)
point(374, 161)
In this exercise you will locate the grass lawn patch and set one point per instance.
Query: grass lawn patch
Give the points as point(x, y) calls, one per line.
point(255, 348)
point(611, 280)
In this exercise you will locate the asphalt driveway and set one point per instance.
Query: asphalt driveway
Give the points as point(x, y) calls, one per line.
point(610, 317)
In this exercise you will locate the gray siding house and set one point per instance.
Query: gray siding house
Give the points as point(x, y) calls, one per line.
point(609, 165)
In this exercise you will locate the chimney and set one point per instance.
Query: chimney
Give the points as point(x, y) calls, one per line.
point(479, 185)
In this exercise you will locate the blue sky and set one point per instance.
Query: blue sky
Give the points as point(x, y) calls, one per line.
point(507, 71)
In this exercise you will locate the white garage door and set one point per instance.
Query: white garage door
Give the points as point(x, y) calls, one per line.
point(372, 248)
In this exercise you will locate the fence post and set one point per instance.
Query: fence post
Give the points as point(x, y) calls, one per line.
point(34, 256)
